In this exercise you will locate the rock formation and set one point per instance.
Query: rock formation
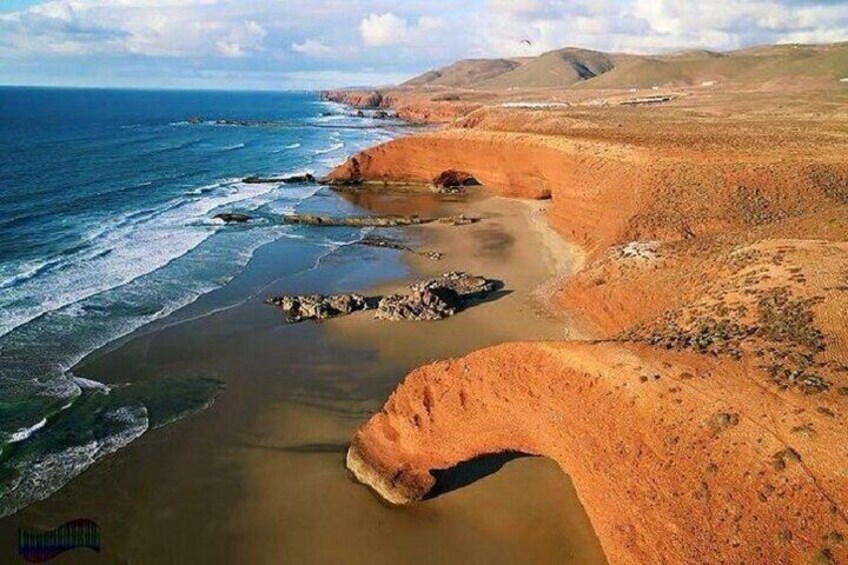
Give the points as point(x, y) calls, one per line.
point(294, 179)
point(388, 243)
point(434, 299)
point(318, 306)
point(232, 217)
point(451, 181)
point(372, 221)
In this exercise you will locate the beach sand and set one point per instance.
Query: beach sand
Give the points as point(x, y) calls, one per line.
point(260, 477)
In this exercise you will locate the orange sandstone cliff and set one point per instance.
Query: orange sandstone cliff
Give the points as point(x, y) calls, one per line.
point(705, 421)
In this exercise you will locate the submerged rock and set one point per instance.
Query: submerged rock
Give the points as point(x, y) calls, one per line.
point(232, 218)
point(354, 221)
point(319, 306)
point(294, 179)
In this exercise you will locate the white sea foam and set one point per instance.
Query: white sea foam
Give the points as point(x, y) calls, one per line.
point(334, 147)
point(118, 253)
point(24, 433)
point(45, 475)
point(89, 385)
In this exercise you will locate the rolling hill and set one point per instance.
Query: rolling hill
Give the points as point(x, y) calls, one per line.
point(574, 67)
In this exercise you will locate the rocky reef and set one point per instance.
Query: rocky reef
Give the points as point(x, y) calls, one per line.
point(374, 221)
point(232, 217)
point(293, 179)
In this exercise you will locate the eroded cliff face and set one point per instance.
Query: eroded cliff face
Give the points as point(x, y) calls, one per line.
point(677, 457)
point(706, 422)
point(409, 105)
point(607, 193)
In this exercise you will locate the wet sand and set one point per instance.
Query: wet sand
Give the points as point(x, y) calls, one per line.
point(259, 477)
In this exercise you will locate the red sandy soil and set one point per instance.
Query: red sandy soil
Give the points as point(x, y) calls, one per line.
point(706, 420)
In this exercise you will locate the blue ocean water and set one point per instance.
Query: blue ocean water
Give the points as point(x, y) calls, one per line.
point(106, 206)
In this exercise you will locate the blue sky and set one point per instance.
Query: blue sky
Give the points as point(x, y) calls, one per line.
point(284, 44)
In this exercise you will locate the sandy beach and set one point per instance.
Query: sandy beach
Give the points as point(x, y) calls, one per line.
point(260, 475)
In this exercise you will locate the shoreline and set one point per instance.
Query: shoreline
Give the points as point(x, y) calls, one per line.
point(270, 450)
point(505, 245)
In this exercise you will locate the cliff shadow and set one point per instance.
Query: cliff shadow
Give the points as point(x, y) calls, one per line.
point(468, 472)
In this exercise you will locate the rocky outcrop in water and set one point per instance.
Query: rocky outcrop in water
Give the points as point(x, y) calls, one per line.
point(356, 98)
point(434, 299)
point(294, 179)
point(388, 243)
point(232, 218)
point(373, 221)
point(199, 121)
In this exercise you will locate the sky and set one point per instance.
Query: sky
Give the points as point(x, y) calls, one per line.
point(308, 44)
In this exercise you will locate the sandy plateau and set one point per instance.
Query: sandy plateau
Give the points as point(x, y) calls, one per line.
point(692, 378)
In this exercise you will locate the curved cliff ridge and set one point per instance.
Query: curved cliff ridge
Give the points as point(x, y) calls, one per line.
point(677, 457)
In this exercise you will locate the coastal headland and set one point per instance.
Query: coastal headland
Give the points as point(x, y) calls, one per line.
point(699, 395)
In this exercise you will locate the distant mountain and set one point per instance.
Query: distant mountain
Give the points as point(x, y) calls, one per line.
point(464, 73)
point(563, 67)
point(574, 67)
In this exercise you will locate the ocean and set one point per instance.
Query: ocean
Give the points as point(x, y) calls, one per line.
point(107, 200)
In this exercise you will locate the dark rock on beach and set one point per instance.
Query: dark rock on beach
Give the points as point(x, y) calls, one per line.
point(452, 181)
point(319, 306)
point(388, 243)
point(434, 299)
point(420, 305)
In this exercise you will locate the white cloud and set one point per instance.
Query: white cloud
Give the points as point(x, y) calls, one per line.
point(119, 37)
point(167, 28)
point(519, 7)
point(653, 25)
point(381, 30)
point(242, 40)
point(312, 48)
